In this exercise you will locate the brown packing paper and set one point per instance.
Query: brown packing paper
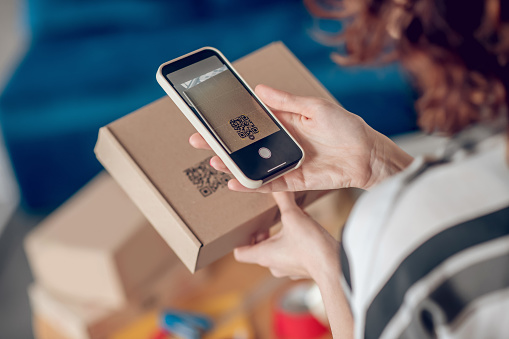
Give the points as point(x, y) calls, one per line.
point(148, 153)
point(97, 248)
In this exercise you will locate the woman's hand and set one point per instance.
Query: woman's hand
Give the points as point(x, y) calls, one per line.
point(341, 149)
point(304, 249)
point(301, 249)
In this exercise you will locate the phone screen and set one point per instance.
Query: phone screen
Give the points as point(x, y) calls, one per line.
point(221, 101)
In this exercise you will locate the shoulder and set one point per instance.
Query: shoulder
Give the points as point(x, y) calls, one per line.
point(411, 229)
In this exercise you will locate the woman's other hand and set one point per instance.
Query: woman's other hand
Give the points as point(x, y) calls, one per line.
point(341, 149)
point(301, 249)
point(304, 249)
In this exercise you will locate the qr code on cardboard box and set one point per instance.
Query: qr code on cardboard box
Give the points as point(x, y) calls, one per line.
point(206, 178)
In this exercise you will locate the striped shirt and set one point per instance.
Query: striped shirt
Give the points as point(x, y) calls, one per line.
point(425, 254)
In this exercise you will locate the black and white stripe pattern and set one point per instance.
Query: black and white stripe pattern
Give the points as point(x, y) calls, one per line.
point(425, 252)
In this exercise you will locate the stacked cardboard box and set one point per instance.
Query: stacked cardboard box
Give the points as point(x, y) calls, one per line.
point(98, 264)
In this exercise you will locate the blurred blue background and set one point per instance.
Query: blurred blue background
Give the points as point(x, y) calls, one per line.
point(91, 62)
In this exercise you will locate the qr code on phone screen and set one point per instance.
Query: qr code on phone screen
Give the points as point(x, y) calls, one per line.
point(206, 179)
point(244, 127)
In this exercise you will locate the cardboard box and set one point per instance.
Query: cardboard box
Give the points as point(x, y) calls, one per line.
point(97, 248)
point(185, 199)
point(88, 321)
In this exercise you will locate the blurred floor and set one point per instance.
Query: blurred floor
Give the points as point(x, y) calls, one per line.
point(15, 276)
point(15, 321)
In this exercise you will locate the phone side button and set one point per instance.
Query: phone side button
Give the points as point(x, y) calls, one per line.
point(264, 152)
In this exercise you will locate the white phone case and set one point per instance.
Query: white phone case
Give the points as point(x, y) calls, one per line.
point(209, 138)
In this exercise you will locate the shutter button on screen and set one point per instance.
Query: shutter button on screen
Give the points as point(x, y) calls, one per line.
point(264, 152)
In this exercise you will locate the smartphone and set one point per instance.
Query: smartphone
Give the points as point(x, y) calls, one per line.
point(241, 130)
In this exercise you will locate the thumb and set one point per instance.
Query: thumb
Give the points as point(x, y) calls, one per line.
point(255, 254)
point(286, 202)
point(286, 102)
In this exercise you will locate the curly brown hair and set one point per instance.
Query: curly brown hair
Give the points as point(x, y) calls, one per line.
point(457, 51)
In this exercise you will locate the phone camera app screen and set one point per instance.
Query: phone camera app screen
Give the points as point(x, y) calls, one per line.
point(229, 110)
